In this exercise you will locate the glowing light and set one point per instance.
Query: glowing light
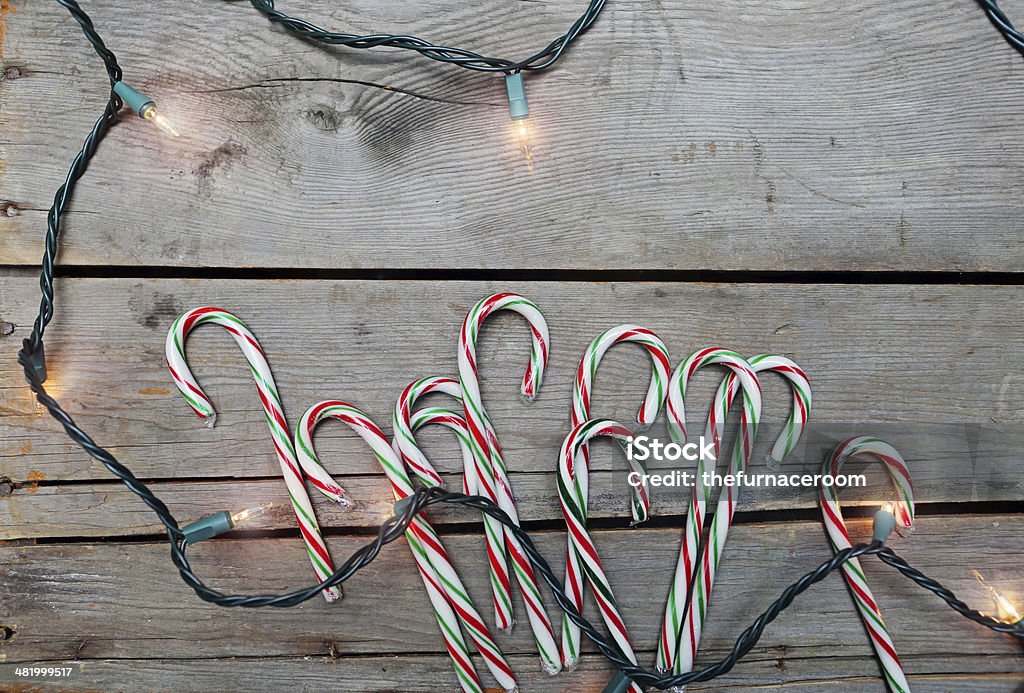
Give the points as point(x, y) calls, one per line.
point(160, 121)
point(249, 513)
point(1006, 609)
point(523, 139)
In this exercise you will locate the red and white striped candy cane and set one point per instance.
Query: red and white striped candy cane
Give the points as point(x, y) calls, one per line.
point(703, 582)
point(404, 440)
point(491, 473)
point(408, 449)
point(316, 547)
point(574, 508)
point(903, 509)
point(580, 412)
point(671, 630)
point(445, 590)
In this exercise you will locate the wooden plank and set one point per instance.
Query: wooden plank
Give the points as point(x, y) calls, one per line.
point(432, 673)
point(931, 367)
point(105, 601)
point(33, 511)
point(792, 136)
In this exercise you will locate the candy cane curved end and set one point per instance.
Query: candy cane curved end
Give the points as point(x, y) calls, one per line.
point(899, 474)
point(403, 441)
point(177, 363)
point(657, 390)
point(539, 335)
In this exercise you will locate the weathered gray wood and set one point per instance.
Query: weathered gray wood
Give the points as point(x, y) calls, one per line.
point(32, 511)
point(429, 674)
point(118, 601)
point(933, 368)
point(735, 135)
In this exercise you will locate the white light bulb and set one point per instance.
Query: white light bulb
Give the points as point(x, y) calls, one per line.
point(160, 121)
point(1008, 613)
point(249, 513)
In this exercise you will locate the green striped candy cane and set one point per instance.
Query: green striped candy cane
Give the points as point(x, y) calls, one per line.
point(582, 392)
point(902, 509)
point(671, 630)
point(316, 547)
point(703, 581)
point(492, 475)
point(447, 594)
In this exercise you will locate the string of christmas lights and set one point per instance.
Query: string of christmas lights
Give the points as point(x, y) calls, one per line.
point(32, 359)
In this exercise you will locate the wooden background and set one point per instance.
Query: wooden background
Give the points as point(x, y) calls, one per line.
point(840, 183)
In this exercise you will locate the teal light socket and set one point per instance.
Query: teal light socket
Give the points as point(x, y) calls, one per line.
point(518, 108)
point(620, 683)
point(134, 99)
point(208, 527)
point(883, 525)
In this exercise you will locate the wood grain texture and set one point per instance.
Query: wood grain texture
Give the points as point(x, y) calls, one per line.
point(930, 367)
point(782, 136)
point(429, 674)
point(111, 601)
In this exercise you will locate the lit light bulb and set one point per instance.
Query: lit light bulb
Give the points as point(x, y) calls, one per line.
point(160, 121)
point(1008, 613)
point(144, 107)
point(522, 128)
point(249, 513)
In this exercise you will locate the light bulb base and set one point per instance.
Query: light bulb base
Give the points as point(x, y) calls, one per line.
point(883, 526)
point(620, 683)
point(401, 505)
point(134, 99)
point(518, 107)
point(208, 527)
point(36, 359)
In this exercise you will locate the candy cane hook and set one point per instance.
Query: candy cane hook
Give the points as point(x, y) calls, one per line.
point(671, 630)
point(696, 610)
point(581, 412)
point(492, 475)
point(902, 509)
point(405, 442)
point(316, 547)
point(445, 590)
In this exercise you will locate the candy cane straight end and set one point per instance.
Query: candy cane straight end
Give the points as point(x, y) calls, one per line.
point(209, 419)
point(550, 668)
point(773, 463)
point(333, 594)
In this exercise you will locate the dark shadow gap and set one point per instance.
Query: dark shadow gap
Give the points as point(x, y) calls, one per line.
point(562, 275)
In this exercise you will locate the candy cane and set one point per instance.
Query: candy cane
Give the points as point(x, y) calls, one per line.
point(696, 611)
point(405, 442)
point(445, 590)
point(574, 508)
point(581, 395)
point(406, 446)
point(491, 472)
point(668, 644)
point(260, 369)
point(903, 509)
